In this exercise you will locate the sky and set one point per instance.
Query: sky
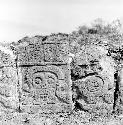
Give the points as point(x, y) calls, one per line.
point(20, 18)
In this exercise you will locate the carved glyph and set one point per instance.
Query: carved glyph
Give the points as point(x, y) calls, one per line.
point(46, 85)
point(93, 78)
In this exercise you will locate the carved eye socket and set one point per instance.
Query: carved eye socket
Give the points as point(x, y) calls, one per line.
point(62, 89)
point(38, 80)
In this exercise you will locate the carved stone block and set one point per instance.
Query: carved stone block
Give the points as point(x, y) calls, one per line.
point(44, 85)
point(40, 81)
point(30, 54)
point(56, 52)
point(49, 52)
point(8, 81)
point(35, 53)
point(92, 74)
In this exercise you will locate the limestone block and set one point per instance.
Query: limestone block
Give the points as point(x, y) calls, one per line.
point(93, 78)
point(8, 80)
point(56, 52)
point(45, 85)
point(30, 53)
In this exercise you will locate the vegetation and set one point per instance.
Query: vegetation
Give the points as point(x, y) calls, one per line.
point(109, 35)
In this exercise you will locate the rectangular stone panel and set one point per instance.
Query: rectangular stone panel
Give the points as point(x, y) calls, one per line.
point(35, 53)
point(62, 52)
point(44, 85)
point(31, 54)
point(49, 52)
point(56, 52)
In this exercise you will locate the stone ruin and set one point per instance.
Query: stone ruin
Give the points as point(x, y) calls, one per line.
point(42, 84)
point(45, 83)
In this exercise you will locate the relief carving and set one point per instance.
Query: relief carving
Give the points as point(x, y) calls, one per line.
point(45, 85)
point(56, 52)
point(92, 86)
point(44, 79)
point(30, 53)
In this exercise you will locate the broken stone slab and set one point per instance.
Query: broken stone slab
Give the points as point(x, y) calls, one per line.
point(8, 80)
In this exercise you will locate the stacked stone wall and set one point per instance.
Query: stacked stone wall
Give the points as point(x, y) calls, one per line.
point(42, 82)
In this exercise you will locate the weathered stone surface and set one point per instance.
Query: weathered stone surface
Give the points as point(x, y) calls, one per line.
point(30, 53)
point(93, 78)
point(56, 52)
point(42, 83)
point(45, 82)
point(8, 81)
point(36, 51)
